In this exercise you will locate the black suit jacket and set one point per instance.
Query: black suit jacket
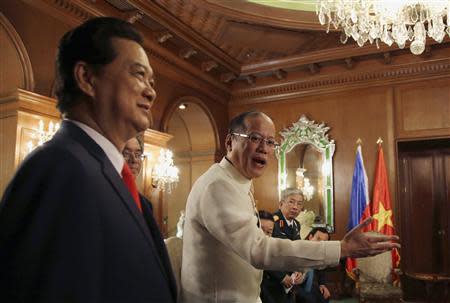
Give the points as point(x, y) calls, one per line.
point(271, 287)
point(71, 232)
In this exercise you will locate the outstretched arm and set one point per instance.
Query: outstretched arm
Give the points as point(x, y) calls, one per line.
point(358, 244)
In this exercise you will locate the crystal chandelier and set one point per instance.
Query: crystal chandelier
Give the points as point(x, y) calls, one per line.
point(165, 174)
point(41, 135)
point(388, 21)
point(303, 184)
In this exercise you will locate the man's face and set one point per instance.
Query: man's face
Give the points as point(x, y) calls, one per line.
point(249, 158)
point(267, 226)
point(291, 206)
point(124, 92)
point(132, 153)
point(319, 236)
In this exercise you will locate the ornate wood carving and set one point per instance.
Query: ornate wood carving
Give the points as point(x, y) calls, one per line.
point(134, 16)
point(64, 10)
point(207, 66)
point(349, 63)
point(179, 28)
point(163, 37)
point(250, 79)
point(313, 68)
point(339, 82)
point(387, 57)
point(187, 53)
point(280, 74)
point(227, 77)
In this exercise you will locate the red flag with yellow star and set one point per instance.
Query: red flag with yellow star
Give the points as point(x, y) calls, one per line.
point(381, 208)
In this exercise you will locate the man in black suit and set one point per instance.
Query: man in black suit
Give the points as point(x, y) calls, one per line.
point(278, 284)
point(72, 228)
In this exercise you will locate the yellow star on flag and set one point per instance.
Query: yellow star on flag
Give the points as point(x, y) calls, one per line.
point(383, 216)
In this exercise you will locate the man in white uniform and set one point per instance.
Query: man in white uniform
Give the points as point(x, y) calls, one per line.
point(224, 251)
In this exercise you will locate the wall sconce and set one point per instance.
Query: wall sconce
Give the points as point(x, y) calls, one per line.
point(165, 174)
point(303, 183)
point(42, 135)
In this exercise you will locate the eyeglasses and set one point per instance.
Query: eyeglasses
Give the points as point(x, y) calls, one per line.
point(127, 155)
point(293, 202)
point(257, 139)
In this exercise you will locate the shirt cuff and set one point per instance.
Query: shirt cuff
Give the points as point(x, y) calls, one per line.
point(332, 252)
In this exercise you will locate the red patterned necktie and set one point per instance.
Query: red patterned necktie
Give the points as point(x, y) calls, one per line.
point(128, 179)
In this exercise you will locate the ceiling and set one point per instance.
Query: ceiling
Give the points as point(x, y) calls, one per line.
point(236, 43)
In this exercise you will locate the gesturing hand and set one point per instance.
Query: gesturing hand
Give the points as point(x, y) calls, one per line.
point(357, 244)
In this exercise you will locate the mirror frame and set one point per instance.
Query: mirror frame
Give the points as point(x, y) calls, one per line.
point(306, 131)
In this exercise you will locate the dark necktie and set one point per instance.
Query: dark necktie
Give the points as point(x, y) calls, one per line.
point(128, 179)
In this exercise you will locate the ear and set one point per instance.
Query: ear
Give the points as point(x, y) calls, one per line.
point(84, 76)
point(228, 142)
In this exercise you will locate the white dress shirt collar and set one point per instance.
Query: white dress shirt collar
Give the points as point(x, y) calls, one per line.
point(113, 154)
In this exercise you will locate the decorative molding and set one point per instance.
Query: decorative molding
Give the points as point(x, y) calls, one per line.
point(427, 53)
point(187, 53)
point(26, 101)
point(207, 66)
point(250, 79)
point(318, 56)
point(313, 68)
point(163, 37)
point(180, 29)
point(227, 77)
point(65, 10)
point(339, 82)
point(27, 70)
point(387, 57)
point(200, 81)
point(157, 138)
point(349, 63)
point(134, 16)
point(280, 74)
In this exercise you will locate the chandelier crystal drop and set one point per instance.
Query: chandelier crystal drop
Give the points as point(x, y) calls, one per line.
point(388, 21)
point(165, 174)
point(41, 135)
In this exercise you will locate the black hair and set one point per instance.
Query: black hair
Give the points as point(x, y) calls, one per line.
point(237, 124)
point(265, 215)
point(90, 42)
point(315, 230)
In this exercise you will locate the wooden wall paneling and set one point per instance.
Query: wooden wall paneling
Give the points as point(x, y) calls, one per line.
point(423, 109)
point(8, 131)
point(19, 117)
point(40, 32)
point(15, 66)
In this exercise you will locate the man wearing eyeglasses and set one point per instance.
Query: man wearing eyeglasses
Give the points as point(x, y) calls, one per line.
point(224, 251)
point(278, 284)
point(133, 154)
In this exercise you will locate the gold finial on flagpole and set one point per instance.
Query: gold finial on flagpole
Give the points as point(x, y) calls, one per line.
point(379, 141)
point(359, 141)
